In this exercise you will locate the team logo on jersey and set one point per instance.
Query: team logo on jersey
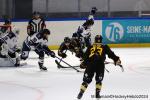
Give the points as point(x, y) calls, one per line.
point(114, 31)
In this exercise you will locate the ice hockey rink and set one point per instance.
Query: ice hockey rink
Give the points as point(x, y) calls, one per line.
point(29, 83)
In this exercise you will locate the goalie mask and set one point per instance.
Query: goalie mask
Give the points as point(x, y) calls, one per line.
point(98, 39)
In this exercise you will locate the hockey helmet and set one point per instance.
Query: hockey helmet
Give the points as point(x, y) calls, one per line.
point(98, 39)
point(93, 10)
point(67, 40)
point(7, 21)
point(35, 13)
point(46, 31)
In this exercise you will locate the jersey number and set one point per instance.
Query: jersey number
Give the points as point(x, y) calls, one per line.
point(95, 48)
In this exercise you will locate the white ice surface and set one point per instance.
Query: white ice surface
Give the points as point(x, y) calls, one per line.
point(29, 83)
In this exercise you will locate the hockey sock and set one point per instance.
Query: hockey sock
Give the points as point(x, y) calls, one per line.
point(82, 89)
point(98, 89)
point(41, 61)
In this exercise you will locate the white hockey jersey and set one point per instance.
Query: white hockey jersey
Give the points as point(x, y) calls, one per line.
point(35, 40)
point(85, 32)
point(10, 42)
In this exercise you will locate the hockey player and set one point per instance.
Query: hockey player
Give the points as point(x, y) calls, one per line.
point(9, 46)
point(36, 24)
point(71, 45)
point(94, 59)
point(84, 31)
point(38, 43)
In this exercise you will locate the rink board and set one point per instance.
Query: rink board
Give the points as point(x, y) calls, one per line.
point(125, 31)
point(5, 62)
point(117, 32)
point(131, 45)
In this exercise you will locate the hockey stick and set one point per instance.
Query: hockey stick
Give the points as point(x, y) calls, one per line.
point(61, 66)
point(107, 70)
point(122, 69)
point(13, 62)
point(68, 64)
point(10, 59)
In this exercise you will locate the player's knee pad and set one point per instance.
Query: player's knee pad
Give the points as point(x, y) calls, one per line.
point(99, 79)
point(41, 55)
point(87, 79)
point(24, 55)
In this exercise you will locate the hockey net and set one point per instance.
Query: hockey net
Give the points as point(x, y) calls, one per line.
point(4, 29)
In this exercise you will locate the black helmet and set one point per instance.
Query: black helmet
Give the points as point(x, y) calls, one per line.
point(98, 39)
point(36, 13)
point(67, 40)
point(93, 10)
point(46, 31)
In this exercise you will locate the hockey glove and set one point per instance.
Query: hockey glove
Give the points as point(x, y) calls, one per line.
point(48, 51)
point(52, 54)
point(83, 64)
point(117, 62)
point(63, 55)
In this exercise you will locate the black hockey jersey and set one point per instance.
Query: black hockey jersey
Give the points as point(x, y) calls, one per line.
point(97, 53)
